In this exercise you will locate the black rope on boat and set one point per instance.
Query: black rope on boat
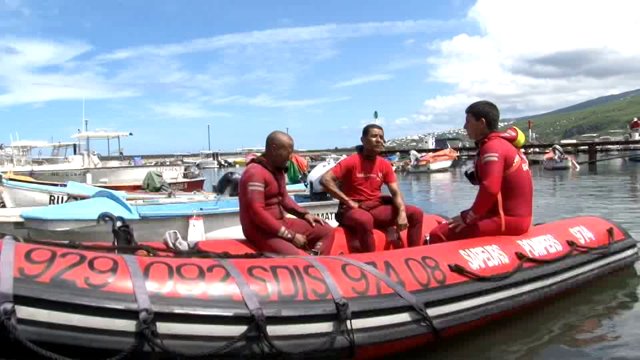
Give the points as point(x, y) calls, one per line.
point(523, 258)
point(122, 232)
point(398, 289)
point(600, 250)
point(9, 316)
point(150, 250)
point(461, 270)
point(342, 307)
point(147, 323)
point(250, 298)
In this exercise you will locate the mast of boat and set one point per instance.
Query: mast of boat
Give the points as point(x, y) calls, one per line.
point(85, 122)
point(209, 135)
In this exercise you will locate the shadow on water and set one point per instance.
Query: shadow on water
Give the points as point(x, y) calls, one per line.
point(591, 322)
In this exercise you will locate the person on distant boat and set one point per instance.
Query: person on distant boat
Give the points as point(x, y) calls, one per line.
point(504, 203)
point(558, 153)
point(362, 206)
point(264, 202)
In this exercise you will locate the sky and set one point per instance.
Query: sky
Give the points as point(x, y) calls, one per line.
point(181, 74)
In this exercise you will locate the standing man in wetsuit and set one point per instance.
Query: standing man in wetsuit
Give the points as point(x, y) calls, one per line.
point(264, 203)
point(504, 203)
point(362, 206)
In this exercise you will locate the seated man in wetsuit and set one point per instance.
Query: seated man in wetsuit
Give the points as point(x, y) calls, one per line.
point(264, 202)
point(504, 203)
point(362, 206)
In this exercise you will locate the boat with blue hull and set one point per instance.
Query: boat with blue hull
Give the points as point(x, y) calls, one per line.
point(152, 218)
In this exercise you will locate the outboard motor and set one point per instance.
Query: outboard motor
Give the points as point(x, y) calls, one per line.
point(316, 190)
point(228, 184)
point(191, 172)
point(415, 157)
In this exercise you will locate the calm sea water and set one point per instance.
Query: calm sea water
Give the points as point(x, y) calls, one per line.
point(598, 321)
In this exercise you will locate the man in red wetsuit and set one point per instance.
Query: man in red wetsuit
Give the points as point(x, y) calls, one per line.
point(504, 203)
point(264, 202)
point(362, 206)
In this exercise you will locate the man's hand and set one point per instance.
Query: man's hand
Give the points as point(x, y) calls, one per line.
point(299, 240)
point(352, 204)
point(401, 221)
point(312, 219)
point(456, 224)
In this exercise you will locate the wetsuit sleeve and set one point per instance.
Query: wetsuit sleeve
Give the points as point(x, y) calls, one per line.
point(254, 188)
point(490, 167)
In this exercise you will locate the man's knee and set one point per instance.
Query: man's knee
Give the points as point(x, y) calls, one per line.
point(439, 234)
point(360, 219)
point(414, 214)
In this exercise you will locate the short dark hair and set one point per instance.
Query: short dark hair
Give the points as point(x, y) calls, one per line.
point(366, 129)
point(487, 110)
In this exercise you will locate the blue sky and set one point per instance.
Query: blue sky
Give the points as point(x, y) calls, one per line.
point(164, 70)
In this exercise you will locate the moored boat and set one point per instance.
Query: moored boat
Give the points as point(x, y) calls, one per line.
point(224, 299)
point(556, 159)
point(23, 191)
point(152, 218)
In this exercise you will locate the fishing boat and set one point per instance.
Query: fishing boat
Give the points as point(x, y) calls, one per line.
point(87, 167)
point(152, 218)
point(222, 298)
point(22, 191)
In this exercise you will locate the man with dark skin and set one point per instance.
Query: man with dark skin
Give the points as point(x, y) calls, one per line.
point(264, 201)
point(362, 205)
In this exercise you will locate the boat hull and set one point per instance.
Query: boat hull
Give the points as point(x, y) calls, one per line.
point(151, 219)
point(73, 296)
point(106, 175)
point(440, 166)
point(551, 164)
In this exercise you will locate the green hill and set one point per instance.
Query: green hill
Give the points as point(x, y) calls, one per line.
point(595, 116)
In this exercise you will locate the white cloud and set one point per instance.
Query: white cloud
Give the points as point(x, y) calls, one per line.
point(34, 71)
point(537, 55)
point(185, 111)
point(289, 35)
point(270, 102)
point(363, 80)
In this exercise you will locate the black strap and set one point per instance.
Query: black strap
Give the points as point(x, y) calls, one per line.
point(7, 259)
point(139, 289)
point(248, 295)
point(342, 305)
point(250, 299)
point(401, 291)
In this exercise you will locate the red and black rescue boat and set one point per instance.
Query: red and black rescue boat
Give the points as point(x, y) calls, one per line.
point(224, 299)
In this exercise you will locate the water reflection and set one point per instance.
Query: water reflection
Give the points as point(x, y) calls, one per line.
point(578, 321)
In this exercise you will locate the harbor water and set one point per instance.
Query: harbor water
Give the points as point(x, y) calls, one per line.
point(598, 321)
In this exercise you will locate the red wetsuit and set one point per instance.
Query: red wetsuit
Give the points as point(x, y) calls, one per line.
point(504, 204)
point(264, 202)
point(361, 180)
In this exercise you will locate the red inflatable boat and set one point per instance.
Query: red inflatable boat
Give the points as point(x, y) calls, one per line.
point(224, 299)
